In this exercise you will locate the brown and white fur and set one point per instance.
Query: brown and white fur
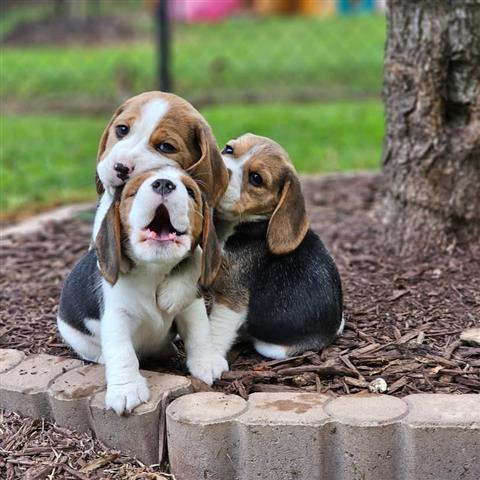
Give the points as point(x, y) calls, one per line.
point(112, 306)
point(277, 282)
point(151, 130)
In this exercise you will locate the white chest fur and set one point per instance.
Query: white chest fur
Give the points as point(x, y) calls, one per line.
point(133, 302)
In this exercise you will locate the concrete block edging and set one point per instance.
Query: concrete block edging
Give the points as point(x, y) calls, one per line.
point(71, 393)
point(292, 435)
point(276, 436)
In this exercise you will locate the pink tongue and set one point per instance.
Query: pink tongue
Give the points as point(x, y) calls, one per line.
point(163, 236)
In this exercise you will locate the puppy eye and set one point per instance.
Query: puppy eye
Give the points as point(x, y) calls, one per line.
point(255, 179)
point(227, 150)
point(121, 130)
point(165, 147)
point(191, 193)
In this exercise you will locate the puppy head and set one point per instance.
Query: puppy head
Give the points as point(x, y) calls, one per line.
point(159, 217)
point(264, 185)
point(157, 129)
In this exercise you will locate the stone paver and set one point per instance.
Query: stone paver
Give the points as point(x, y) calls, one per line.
point(9, 358)
point(364, 435)
point(366, 410)
point(73, 395)
point(197, 419)
point(442, 434)
point(24, 388)
point(138, 434)
point(70, 396)
point(306, 436)
point(281, 436)
point(292, 425)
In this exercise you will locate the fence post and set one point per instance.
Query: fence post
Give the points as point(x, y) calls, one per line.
point(164, 41)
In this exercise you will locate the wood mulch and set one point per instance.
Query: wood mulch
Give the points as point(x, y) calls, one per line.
point(404, 314)
point(32, 449)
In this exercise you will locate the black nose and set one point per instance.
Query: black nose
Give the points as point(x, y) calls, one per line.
point(163, 186)
point(122, 170)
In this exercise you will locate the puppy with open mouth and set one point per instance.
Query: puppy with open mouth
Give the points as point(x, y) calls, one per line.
point(277, 282)
point(113, 306)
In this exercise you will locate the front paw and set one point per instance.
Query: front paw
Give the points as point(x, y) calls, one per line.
point(207, 367)
point(125, 397)
point(167, 300)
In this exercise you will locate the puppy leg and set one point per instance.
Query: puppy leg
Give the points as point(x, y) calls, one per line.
point(203, 361)
point(85, 345)
point(224, 326)
point(126, 388)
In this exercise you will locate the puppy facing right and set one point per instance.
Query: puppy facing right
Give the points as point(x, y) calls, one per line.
point(277, 282)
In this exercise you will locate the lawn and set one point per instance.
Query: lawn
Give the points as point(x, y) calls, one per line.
point(52, 155)
point(244, 54)
point(50, 160)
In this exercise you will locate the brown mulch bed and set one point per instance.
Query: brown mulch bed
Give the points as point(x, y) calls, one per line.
point(404, 314)
point(36, 450)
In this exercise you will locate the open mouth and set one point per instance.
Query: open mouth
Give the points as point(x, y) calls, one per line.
point(161, 228)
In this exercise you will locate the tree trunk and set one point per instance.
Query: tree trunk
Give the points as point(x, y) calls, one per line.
point(431, 157)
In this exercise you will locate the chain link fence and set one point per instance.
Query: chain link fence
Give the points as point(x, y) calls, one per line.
point(89, 55)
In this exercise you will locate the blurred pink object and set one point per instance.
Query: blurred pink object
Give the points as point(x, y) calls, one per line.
point(203, 10)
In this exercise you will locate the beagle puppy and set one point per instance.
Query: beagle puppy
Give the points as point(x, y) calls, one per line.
point(111, 307)
point(151, 130)
point(277, 281)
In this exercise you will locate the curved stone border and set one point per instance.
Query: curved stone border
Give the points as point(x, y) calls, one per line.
point(38, 222)
point(72, 394)
point(277, 436)
point(286, 436)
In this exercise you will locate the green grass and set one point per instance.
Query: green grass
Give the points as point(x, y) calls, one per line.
point(48, 160)
point(336, 55)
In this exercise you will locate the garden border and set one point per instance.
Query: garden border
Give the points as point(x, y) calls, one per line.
point(284, 435)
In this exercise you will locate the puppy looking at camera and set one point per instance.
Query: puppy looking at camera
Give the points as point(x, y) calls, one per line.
point(277, 281)
point(109, 308)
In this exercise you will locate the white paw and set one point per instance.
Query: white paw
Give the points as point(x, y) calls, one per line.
point(176, 293)
point(207, 367)
point(125, 397)
point(168, 300)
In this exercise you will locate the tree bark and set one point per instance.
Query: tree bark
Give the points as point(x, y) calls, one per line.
point(431, 157)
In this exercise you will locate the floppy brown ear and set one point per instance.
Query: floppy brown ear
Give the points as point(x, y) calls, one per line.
point(211, 250)
point(108, 244)
point(103, 144)
point(289, 223)
point(210, 171)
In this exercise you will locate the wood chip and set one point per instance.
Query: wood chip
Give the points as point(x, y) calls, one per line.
point(98, 463)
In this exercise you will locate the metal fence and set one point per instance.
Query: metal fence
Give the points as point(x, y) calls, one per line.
point(90, 54)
